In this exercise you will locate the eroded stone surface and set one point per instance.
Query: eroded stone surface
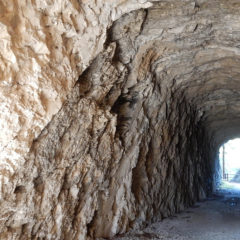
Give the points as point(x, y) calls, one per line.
point(45, 46)
point(131, 144)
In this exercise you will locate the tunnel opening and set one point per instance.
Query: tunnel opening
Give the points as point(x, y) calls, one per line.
point(229, 166)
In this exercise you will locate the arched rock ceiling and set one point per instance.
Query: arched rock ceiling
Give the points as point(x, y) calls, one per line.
point(198, 48)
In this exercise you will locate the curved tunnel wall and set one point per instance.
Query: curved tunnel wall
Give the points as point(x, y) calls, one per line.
point(136, 139)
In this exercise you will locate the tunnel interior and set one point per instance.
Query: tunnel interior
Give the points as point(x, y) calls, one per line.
point(182, 91)
point(137, 139)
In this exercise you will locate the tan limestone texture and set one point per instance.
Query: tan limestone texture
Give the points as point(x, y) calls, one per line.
point(44, 47)
point(108, 126)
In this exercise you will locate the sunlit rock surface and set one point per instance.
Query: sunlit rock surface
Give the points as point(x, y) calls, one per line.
point(133, 140)
point(44, 47)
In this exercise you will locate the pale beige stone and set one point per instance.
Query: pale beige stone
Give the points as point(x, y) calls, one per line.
point(134, 140)
point(44, 47)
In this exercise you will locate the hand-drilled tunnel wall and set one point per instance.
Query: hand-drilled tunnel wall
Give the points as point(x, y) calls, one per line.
point(136, 139)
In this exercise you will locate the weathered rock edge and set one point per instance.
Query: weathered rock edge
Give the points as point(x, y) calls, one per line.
point(124, 150)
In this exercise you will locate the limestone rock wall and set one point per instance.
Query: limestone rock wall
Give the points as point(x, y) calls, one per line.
point(133, 140)
point(44, 47)
point(124, 150)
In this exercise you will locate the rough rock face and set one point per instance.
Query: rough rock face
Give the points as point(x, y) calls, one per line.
point(44, 47)
point(136, 138)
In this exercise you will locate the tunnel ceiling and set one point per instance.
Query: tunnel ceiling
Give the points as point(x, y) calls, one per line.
point(197, 44)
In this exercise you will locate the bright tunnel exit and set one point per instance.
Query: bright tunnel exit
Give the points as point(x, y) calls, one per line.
point(229, 157)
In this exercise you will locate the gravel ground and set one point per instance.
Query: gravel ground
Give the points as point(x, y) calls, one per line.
point(217, 218)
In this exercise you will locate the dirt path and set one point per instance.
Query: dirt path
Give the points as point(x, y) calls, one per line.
point(215, 219)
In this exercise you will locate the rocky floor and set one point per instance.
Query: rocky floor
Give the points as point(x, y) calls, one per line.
point(217, 218)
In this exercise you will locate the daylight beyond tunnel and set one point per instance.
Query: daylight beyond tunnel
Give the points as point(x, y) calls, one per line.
point(138, 136)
